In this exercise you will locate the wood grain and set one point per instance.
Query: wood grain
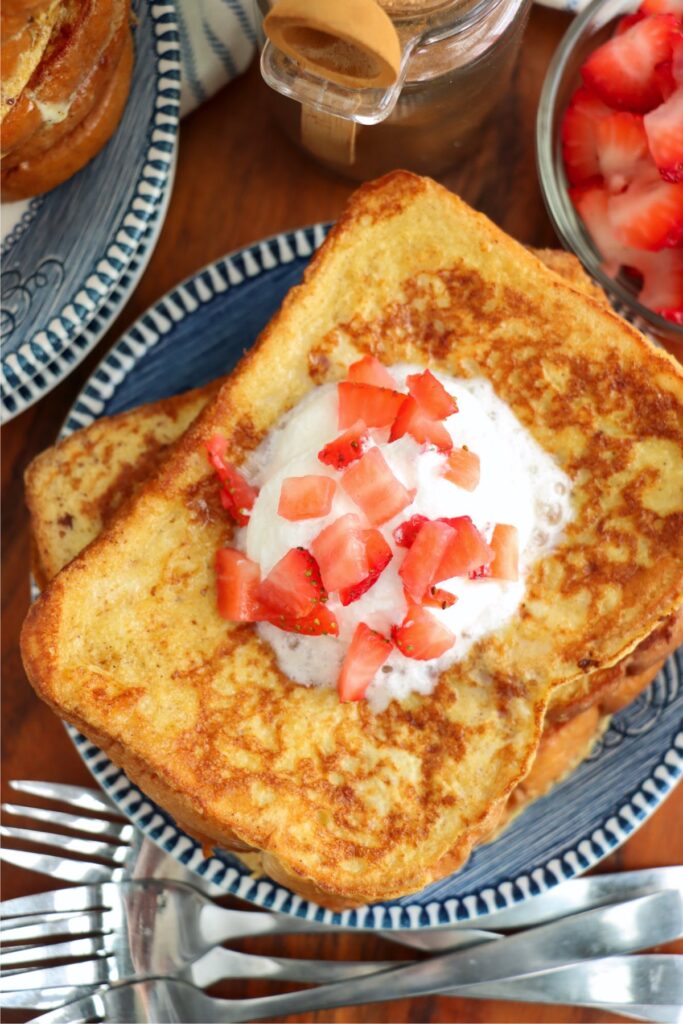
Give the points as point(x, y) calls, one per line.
point(239, 180)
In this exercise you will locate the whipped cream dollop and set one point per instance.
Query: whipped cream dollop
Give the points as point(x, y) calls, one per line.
point(520, 484)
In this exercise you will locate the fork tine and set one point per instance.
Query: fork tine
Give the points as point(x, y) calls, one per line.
point(86, 847)
point(60, 901)
point(45, 999)
point(99, 945)
point(75, 796)
point(78, 823)
point(57, 924)
point(57, 867)
point(85, 972)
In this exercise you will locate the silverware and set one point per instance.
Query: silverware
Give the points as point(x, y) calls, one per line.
point(606, 931)
point(167, 1000)
point(151, 928)
point(139, 858)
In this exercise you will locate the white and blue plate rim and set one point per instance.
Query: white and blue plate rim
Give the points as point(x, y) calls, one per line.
point(637, 799)
point(38, 364)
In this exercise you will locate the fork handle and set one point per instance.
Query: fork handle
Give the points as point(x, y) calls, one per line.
point(219, 963)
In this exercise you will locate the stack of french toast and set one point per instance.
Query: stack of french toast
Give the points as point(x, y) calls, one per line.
point(65, 78)
point(343, 805)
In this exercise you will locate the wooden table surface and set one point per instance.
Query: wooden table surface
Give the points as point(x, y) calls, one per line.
point(238, 180)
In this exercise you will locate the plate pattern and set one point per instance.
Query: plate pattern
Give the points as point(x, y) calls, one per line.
point(30, 345)
point(194, 334)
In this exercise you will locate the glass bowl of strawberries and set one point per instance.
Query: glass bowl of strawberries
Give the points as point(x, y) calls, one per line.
point(610, 155)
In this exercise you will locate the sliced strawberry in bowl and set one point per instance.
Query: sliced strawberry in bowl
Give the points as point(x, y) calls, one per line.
point(463, 468)
point(369, 370)
point(319, 622)
point(579, 135)
point(374, 488)
point(378, 554)
point(306, 497)
point(421, 564)
point(293, 586)
point(664, 130)
point(412, 419)
point(505, 547)
point(431, 395)
point(421, 636)
point(664, 73)
point(366, 654)
point(340, 551)
point(648, 214)
point(622, 149)
point(406, 532)
point(237, 582)
point(630, 19)
point(662, 282)
point(466, 551)
point(621, 72)
point(376, 407)
point(662, 7)
point(591, 204)
point(346, 448)
point(237, 494)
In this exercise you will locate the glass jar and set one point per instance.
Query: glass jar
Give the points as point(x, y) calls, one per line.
point(457, 61)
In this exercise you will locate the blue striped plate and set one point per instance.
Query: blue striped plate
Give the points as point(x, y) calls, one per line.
point(80, 248)
point(198, 332)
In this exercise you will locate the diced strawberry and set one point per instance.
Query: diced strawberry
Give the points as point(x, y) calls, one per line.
point(621, 71)
point(431, 395)
point(237, 581)
point(435, 597)
point(340, 552)
point(237, 495)
point(591, 204)
point(319, 622)
point(346, 448)
point(293, 586)
point(365, 656)
point(664, 128)
point(306, 497)
point(405, 533)
point(648, 215)
point(627, 21)
point(374, 488)
point(505, 546)
point(661, 7)
point(622, 148)
point(378, 554)
point(463, 468)
point(466, 551)
point(420, 636)
point(369, 370)
point(578, 132)
point(412, 419)
point(377, 407)
point(421, 564)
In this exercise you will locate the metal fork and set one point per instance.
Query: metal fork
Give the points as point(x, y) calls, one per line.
point(181, 923)
point(631, 979)
point(593, 985)
point(141, 929)
point(130, 855)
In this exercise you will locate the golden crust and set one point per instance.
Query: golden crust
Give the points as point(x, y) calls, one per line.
point(126, 642)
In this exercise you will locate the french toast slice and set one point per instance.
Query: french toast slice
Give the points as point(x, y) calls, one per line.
point(348, 806)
